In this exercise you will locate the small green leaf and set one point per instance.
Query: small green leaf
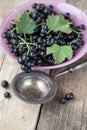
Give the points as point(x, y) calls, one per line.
point(60, 52)
point(25, 24)
point(59, 23)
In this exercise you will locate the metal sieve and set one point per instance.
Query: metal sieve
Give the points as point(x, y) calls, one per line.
point(38, 87)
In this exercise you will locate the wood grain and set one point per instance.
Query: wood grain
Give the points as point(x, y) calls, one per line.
point(81, 4)
point(14, 114)
point(7, 6)
point(73, 115)
point(2, 55)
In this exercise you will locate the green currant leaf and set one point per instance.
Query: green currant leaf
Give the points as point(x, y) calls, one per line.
point(60, 52)
point(59, 23)
point(25, 24)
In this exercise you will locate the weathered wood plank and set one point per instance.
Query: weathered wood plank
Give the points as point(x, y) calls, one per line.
point(55, 116)
point(81, 114)
point(20, 116)
point(14, 114)
point(2, 55)
point(73, 115)
point(7, 6)
point(80, 4)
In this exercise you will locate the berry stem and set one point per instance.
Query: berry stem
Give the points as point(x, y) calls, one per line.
point(75, 31)
point(28, 47)
point(59, 34)
point(70, 23)
point(48, 37)
point(22, 39)
point(80, 30)
point(40, 24)
point(73, 41)
point(49, 31)
point(12, 30)
point(31, 39)
point(24, 36)
point(21, 43)
point(26, 43)
point(31, 43)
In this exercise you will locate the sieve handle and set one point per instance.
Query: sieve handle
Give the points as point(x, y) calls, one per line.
point(70, 70)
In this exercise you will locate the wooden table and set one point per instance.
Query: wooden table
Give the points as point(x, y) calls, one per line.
point(16, 115)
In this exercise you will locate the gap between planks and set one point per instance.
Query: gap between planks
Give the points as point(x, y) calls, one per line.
point(81, 122)
point(4, 61)
point(43, 104)
point(8, 71)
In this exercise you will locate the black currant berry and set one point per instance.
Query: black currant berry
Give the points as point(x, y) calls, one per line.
point(82, 26)
point(7, 95)
point(69, 96)
point(4, 84)
point(63, 100)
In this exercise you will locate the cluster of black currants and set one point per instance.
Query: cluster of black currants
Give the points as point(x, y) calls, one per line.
point(41, 12)
point(68, 97)
point(5, 85)
point(35, 54)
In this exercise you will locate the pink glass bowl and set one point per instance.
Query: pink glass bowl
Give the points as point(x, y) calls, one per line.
point(77, 15)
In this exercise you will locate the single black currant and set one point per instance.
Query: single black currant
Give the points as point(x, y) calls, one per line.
point(34, 5)
point(39, 61)
point(67, 15)
point(7, 95)
point(74, 46)
point(32, 54)
point(4, 84)
point(80, 36)
point(63, 100)
point(43, 54)
point(69, 96)
point(39, 40)
point(50, 7)
point(20, 60)
point(24, 67)
point(82, 26)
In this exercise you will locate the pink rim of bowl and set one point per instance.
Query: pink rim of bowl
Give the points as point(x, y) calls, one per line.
point(60, 7)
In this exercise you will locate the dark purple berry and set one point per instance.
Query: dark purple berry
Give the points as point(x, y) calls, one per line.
point(4, 84)
point(34, 15)
point(67, 15)
point(12, 26)
point(32, 54)
point(20, 60)
point(80, 36)
point(24, 67)
point(39, 61)
point(82, 26)
point(63, 100)
point(60, 42)
point(43, 54)
point(39, 7)
point(69, 96)
point(74, 46)
point(7, 95)
point(82, 42)
point(50, 7)
point(34, 5)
